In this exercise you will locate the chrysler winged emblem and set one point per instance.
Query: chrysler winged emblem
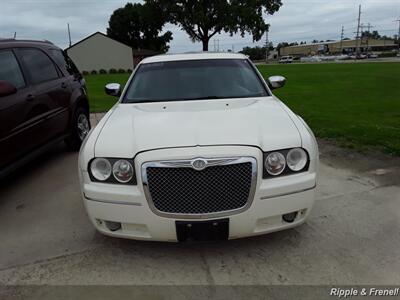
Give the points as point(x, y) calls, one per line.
point(199, 164)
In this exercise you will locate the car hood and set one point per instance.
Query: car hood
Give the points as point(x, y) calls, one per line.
point(132, 128)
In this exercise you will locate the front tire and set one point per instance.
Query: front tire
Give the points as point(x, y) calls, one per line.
point(79, 129)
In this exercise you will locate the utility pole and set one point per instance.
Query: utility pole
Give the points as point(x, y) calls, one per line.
point(369, 26)
point(358, 32)
point(398, 34)
point(266, 46)
point(341, 40)
point(69, 35)
point(368, 34)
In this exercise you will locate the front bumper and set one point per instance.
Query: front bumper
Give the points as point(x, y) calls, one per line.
point(128, 205)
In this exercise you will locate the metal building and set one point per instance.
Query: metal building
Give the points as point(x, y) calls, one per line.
point(98, 51)
point(337, 47)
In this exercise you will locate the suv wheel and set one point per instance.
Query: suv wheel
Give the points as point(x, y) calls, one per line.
point(80, 127)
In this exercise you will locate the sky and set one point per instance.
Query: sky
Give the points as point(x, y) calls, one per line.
point(296, 20)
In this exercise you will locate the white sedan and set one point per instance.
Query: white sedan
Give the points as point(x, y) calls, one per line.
point(198, 148)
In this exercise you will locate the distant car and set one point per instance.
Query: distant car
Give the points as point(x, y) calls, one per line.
point(372, 55)
point(42, 101)
point(198, 148)
point(310, 59)
point(286, 60)
point(359, 56)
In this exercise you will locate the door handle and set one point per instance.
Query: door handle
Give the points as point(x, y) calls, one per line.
point(64, 85)
point(30, 97)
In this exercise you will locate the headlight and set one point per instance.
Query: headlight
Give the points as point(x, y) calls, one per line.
point(275, 163)
point(101, 169)
point(123, 171)
point(296, 159)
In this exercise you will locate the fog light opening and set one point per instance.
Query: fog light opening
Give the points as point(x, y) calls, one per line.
point(113, 226)
point(290, 217)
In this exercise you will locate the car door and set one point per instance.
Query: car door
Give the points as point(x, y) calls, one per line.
point(14, 111)
point(51, 93)
point(71, 77)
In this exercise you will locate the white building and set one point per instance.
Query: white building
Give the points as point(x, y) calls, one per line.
point(98, 51)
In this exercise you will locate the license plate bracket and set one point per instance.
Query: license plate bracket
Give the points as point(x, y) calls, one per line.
point(202, 230)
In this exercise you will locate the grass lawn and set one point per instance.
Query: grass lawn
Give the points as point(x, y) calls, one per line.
point(99, 101)
point(357, 104)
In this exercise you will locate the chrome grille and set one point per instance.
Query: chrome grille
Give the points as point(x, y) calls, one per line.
point(176, 188)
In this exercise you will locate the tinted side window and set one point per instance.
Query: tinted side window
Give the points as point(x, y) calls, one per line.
point(64, 62)
point(39, 65)
point(10, 70)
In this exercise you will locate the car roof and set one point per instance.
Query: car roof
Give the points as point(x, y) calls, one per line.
point(5, 43)
point(193, 56)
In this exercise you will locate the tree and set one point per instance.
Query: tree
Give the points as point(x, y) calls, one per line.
point(139, 26)
point(375, 35)
point(202, 19)
point(281, 45)
point(256, 53)
point(371, 35)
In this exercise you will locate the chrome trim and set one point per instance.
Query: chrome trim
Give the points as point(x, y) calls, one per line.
point(188, 164)
point(286, 194)
point(114, 202)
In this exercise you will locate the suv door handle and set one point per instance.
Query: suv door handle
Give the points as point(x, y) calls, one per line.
point(64, 85)
point(30, 97)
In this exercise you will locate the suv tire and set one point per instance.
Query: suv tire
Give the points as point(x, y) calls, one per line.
point(79, 128)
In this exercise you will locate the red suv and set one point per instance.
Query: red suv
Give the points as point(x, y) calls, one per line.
point(43, 101)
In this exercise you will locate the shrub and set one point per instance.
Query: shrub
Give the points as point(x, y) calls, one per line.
point(94, 72)
point(129, 71)
point(121, 71)
point(112, 71)
point(387, 54)
point(85, 73)
point(102, 71)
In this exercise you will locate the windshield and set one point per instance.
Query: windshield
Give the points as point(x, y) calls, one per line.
point(194, 80)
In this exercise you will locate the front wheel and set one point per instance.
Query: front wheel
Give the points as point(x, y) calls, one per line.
point(79, 128)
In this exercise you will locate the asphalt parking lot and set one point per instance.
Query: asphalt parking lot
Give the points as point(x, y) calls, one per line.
point(352, 236)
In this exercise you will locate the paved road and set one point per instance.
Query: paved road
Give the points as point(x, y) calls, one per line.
point(352, 236)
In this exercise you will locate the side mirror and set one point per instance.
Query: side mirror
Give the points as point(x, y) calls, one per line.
point(7, 88)
point(113, 89)
point(276, 82)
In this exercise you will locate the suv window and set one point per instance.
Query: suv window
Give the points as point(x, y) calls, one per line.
point(39, 65)
point(10, 70)
point(64, 62)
